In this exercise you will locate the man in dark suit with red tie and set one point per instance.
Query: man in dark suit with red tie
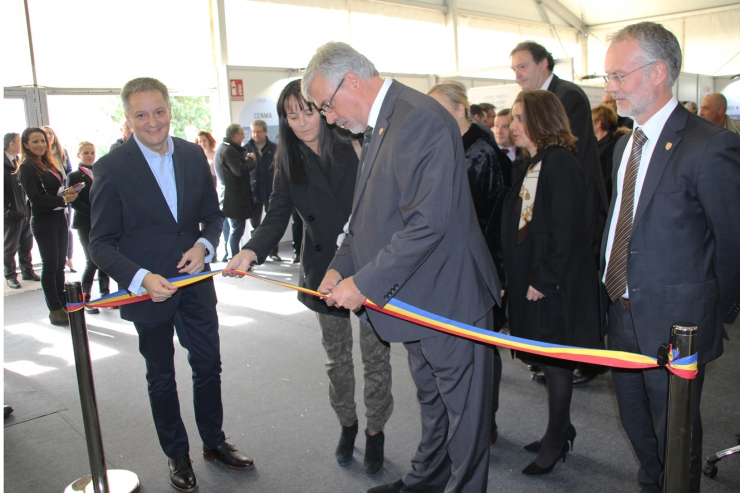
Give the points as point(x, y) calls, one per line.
point(18, 236)
point(671, 248)
point(155, 216)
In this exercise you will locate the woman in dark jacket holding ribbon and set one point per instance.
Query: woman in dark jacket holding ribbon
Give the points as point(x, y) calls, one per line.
point(315, 172)
point(483, 160)
point(81, 221)
point(42, 179)
point(552, 279)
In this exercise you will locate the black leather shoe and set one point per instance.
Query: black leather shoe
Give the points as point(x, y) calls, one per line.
point(539, 377)
point(296, 258)
point(274, 256)
point(30, 276)
point(346, 445)
point(92, 310)
point(374, 453)
point(226, 258)
point(182, 477)
point(399, 487)
point(533, 368)
point(8, 410)
point(581, 377)
point(13, 283)
point(229, 455)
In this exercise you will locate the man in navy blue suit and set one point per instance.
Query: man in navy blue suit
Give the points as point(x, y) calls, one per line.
point(155, 216)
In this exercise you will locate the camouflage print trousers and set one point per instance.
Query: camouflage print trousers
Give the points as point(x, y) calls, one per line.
point(336, 336)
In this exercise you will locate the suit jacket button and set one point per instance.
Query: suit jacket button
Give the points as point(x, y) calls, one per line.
point(386, 297)
point(311, 218)
point(317, 248)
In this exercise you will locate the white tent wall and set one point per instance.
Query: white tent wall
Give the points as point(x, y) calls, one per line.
point(99, 44)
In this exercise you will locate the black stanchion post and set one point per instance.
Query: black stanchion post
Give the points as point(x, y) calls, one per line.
point(680, 415)
point(100, 480)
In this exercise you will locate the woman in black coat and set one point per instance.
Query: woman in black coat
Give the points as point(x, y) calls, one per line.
point(81, 221)
point(42, 179)
point(552, 279)
point(315, 173)
point(483, 160)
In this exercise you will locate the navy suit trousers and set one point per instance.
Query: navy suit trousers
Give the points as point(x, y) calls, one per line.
point(642, 398)
point(197, 330)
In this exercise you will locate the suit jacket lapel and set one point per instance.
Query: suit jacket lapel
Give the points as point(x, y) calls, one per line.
point(661, 154)
point(144, 172)
point(366, 165)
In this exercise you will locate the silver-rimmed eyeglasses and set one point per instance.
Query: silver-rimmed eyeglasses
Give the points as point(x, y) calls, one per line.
point(327, 106)
point(620, 78)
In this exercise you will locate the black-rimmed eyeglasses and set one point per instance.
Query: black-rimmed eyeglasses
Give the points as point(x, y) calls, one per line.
point(326, 108)
point(620, 78)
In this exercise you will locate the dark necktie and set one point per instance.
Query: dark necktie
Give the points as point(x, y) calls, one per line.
point(15, 162)
point(366, 144)
point(616, 272)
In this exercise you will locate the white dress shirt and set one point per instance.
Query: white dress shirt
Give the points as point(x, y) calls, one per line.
point(372, 117)
point(652, 130)
point(547, 82)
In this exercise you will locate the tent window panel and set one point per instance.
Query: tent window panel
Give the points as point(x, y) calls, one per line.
point(709, 52)
point(484, 43)
point(76, 46)
point(402, 39)
point(281, 34)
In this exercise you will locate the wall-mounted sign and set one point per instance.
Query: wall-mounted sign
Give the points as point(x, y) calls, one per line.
point(237, 89)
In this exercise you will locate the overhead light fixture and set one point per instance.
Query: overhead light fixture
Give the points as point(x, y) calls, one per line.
point(594, 76)
point(735, 77)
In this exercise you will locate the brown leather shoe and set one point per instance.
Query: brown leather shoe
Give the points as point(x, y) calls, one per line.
point(59, 317)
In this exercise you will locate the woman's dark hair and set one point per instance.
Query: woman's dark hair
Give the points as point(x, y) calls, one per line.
point(47, 161)
point(291, 151)
point(547, 122)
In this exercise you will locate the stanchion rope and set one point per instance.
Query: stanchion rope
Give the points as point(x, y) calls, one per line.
point(684, 367)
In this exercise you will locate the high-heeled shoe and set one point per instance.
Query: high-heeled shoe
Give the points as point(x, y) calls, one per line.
point(534, 469)
point(570, 437)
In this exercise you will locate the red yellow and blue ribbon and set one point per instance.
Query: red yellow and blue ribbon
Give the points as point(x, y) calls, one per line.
point(684, 367)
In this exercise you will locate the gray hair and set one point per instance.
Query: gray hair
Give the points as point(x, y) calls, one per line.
point(232, 130)
point(8, 138)
point(656, 43)
point(142, 84)
point(334, 59)
point(691, 106)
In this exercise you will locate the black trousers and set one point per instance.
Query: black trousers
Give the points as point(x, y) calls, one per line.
point(642, 399)
point(197, 331)
point(18, 240)
point(90, 268)
point(297, 229)
point(52, 236)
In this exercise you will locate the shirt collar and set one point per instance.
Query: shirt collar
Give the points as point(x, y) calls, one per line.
point(654, 126)
point(547, 82)
point(12, 158)
point(372, 118)
point(150, 154)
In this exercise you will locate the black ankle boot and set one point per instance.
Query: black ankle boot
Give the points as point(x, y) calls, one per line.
point(374, 452)
point(346, 445)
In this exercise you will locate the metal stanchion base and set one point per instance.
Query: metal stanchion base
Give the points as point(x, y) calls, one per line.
point(119, 481)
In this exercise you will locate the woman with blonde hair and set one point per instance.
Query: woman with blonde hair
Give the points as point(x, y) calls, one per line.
point(81, 222)
point(552, 279)
point(484, 161)
point(42, 179)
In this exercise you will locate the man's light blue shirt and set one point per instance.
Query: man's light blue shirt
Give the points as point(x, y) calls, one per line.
point(163, 169)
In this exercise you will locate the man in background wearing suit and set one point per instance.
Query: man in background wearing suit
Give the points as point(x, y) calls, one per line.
point(155, 215)
point(671, 245)
point(413, 236)
point(533, 65)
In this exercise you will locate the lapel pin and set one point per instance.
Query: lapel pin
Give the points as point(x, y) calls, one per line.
point(380, 132)
point(668, 146)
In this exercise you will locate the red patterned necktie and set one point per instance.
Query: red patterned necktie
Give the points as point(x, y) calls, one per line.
point(616, 272)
